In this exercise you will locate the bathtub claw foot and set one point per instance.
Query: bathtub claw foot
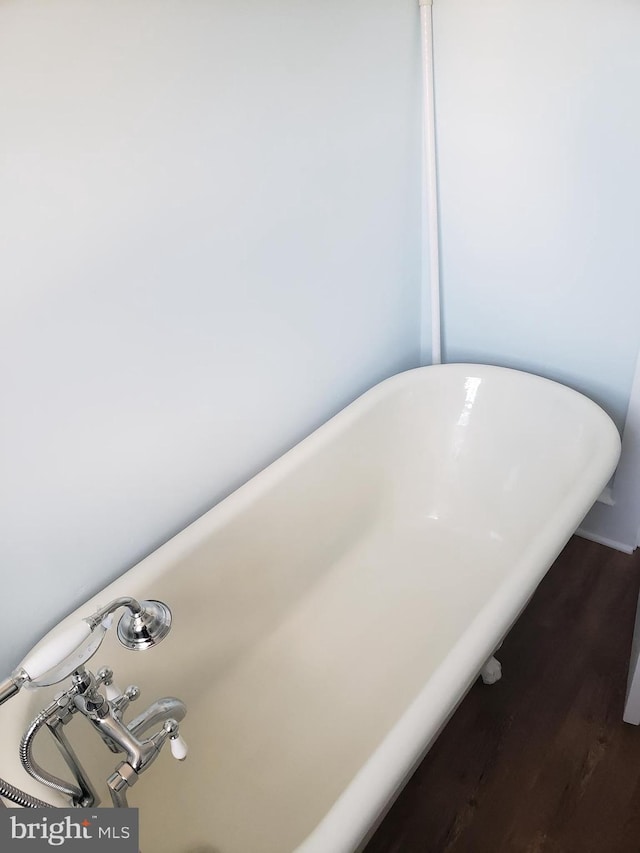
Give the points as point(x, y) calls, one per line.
point(491, 671)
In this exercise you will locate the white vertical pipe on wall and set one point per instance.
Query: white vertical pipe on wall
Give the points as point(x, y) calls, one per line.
point(430, 239)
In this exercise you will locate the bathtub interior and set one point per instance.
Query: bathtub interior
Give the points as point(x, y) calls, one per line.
point(493, 453)
point(312, 606)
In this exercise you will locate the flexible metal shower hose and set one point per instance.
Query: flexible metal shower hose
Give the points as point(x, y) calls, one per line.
point(33, 768)
point(21, 798)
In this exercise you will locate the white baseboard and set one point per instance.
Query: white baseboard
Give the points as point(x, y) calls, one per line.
point(602, 540)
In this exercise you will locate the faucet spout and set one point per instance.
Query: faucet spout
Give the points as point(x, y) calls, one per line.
point(168, 708)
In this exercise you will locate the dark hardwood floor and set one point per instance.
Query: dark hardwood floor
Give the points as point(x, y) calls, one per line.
point(540, 762)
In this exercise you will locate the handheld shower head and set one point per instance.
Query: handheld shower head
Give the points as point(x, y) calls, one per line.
point(55, 657)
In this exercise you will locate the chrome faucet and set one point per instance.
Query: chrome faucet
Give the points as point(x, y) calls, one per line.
point(144, 625)
point(105, 716)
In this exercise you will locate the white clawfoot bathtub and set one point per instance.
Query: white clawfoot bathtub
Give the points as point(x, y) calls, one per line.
point(331, 613)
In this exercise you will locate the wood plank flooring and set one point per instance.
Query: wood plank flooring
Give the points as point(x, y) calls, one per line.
point(540, 762)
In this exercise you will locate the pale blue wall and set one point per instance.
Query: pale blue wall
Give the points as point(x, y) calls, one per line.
point(539, 140)
point(209, 243)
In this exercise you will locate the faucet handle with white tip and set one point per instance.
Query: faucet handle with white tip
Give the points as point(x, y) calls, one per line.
point(177, 743)
point(120, 699)
point(105, 676)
